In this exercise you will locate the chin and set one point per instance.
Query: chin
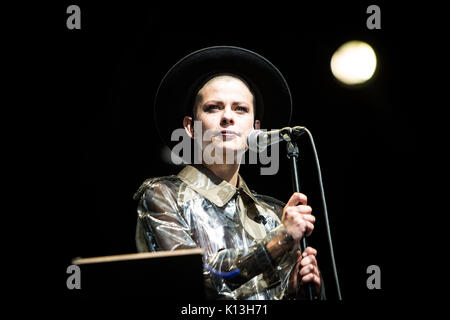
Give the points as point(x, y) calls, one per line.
point(232, 146)
point(230, 151)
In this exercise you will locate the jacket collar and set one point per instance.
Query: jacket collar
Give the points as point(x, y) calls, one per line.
point(212, 187)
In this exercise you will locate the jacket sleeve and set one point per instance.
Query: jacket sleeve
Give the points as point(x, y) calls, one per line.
point(161, 226)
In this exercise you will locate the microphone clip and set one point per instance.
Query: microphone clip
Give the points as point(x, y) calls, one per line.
point(289, 134)
point(292, 147)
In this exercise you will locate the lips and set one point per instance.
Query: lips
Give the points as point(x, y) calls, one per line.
point(228, 134)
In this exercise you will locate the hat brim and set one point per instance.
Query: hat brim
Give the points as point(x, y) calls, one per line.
point(177, 90)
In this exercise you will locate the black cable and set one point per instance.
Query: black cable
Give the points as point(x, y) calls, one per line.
point(325, 212)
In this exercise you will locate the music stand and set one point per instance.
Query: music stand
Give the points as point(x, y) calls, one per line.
point(155, 275)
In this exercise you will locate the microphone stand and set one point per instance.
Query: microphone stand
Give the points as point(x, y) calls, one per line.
point(293, 154)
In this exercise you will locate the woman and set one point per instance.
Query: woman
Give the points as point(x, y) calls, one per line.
point(250, 241)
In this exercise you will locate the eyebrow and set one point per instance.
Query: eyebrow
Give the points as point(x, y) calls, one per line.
point(220, 102)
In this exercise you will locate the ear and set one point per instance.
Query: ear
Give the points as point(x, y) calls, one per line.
point(257, 124)
point(188, 125)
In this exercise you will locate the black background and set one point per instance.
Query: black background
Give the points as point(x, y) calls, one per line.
point(102, 140)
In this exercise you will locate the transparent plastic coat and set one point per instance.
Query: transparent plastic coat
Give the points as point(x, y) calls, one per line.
point(239, 231)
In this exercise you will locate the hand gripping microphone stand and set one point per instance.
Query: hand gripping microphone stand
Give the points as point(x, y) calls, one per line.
point(290, 135)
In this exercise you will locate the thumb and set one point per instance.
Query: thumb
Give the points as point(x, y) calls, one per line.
point(299, 256)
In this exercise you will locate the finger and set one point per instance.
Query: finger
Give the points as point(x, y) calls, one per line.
point(307, 278)
point(307, 270)
point(311, 278)
point(293, 213)
point(309, 217)
point(304, 209)
point(317, 281)
point(309, 228)
point(299, 257)
point(309, 251)
point(308, 260)
point(296, 198)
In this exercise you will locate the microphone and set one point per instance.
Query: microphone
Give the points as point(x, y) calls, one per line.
point(259, 140)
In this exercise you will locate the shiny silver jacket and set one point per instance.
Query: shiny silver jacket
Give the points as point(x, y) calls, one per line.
point(247, 251)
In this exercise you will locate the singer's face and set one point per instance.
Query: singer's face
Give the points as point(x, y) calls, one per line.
point(224, 105)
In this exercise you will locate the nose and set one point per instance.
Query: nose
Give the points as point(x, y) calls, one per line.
point(227, 117)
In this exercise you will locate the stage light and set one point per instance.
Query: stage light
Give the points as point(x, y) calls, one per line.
point(353, 63)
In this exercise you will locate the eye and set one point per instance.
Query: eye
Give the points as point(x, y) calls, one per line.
point(242, 109)
point(211, 107)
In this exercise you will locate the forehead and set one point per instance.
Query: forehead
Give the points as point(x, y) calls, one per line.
point(226, 86)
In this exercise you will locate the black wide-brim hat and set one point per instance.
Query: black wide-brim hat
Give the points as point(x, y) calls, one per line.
point(177, 91)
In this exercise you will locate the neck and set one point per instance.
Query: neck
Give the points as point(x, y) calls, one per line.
point(228, 172)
